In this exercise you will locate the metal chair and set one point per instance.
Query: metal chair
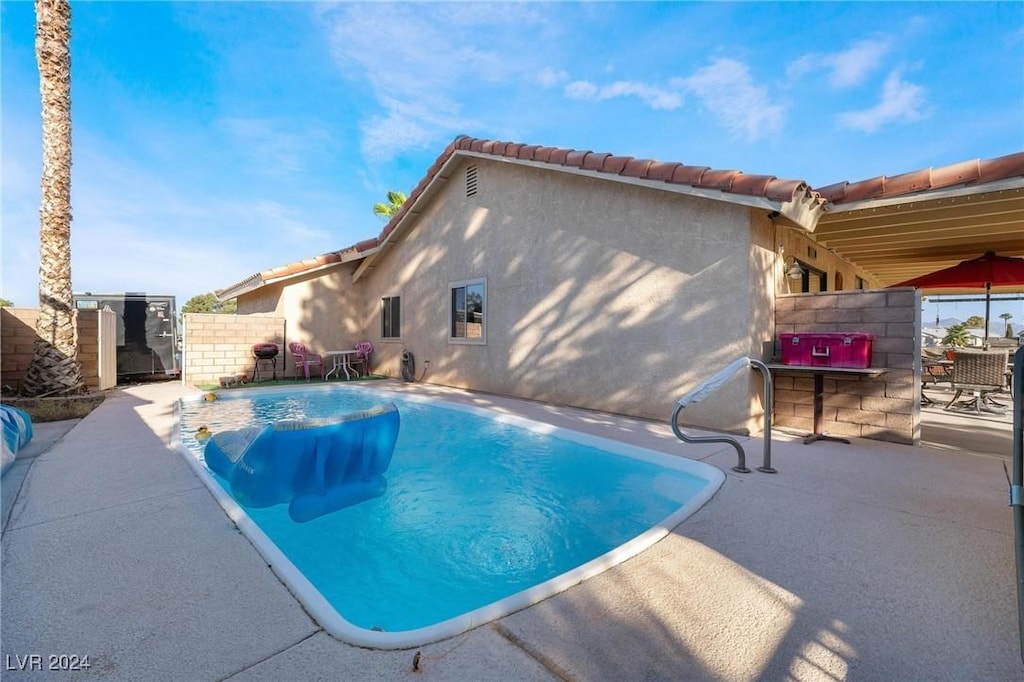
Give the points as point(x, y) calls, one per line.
point(982, 372)
point(933, 373)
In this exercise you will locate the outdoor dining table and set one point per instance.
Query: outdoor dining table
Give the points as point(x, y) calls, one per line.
point(819, 373)
point(340, 362)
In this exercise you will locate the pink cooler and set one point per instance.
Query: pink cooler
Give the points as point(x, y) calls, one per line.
point(827, 349)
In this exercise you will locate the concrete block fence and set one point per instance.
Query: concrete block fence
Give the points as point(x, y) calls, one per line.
point(97, 346)
point(887, 407)
point(217, 346)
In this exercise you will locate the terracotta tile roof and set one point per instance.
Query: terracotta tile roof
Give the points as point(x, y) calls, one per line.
point(965, 173)
point(259, 279)
point(701, 177)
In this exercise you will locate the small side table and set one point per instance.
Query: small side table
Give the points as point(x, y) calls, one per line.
point(819, 392)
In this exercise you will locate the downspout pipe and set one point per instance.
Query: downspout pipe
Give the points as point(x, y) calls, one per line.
point(708, 387)
point(1017, 485)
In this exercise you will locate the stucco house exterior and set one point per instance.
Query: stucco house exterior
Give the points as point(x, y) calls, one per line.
point(603, 282)
point(571, 277)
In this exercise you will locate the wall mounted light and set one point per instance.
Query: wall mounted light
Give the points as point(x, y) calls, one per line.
point(794, 271)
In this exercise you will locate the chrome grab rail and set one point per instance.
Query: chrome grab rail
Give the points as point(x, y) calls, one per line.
point(708, 387)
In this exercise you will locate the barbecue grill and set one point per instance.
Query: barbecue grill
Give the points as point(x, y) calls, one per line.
point(264, 352)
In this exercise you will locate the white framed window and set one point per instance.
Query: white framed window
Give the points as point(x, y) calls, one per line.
point(467, 311)
point(391, 317)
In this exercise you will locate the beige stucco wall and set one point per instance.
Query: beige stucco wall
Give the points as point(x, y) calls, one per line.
point(601, 295)
point(323, 309)
point(791, 243)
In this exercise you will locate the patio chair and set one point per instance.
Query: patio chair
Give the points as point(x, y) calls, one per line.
point(933, 373)
point(362, 356)
point(304, 359)
point(982, 373)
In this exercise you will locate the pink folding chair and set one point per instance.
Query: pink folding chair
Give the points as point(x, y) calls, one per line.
point(363, 350)
point(305, 359)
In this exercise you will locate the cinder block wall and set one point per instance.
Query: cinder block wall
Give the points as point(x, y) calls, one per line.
point(883, 408)
point(18, 336)
point(217, 346)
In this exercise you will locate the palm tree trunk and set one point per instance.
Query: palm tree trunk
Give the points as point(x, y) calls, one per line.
point(54, 369)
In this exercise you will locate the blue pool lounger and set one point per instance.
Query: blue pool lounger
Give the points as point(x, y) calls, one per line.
point(315, 466)
point(17, 433)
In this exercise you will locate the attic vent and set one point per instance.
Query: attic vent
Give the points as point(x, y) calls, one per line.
point(471, 181)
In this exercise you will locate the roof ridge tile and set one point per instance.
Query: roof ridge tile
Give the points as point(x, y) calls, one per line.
point(559, 156)
point(635, 168)
point(752, 184)
point(718, 179)
point(527, 151)
point(662, 170)
point(614, 164)
point(575, 157)
point(687, 175)
point(543, 154)
point(594, 161)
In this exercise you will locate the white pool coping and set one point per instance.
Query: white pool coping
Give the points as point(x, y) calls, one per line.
point(335, 624)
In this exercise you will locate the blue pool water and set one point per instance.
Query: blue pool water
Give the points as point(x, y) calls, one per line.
point(476, 509)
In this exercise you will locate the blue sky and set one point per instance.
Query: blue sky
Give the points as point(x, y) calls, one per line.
point(214, 140)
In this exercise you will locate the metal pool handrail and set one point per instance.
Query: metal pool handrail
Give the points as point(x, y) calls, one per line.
point(1017, 486)
point(709, 386)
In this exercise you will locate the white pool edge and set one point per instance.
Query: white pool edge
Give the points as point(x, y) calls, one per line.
point(337, 626)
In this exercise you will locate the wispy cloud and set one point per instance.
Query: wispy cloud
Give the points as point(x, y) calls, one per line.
point(272, 147)
point(728, 91)
point(901, 102)
point(653, 96)
point(550, 77)
point(847, 68)
point(725, 88)
point(422, 60)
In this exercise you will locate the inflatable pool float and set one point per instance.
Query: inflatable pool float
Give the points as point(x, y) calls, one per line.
point(315, 466)
point(17, 433)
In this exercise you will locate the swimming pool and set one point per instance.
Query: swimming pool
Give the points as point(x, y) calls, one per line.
point(484, 513)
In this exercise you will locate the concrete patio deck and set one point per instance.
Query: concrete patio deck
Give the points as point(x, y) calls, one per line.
point(867, 561)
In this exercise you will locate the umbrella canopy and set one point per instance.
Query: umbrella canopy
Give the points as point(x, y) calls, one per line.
point(987, 270)
point(984, 271)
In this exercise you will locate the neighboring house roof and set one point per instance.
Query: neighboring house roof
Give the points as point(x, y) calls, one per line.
point(792, 200)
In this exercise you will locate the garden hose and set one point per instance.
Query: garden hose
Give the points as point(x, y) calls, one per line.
point(408, 366)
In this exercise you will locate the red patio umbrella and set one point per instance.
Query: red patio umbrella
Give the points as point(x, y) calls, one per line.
point(984, 271)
